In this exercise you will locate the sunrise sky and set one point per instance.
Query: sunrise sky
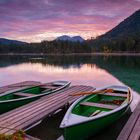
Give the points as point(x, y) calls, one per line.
point(36, 20)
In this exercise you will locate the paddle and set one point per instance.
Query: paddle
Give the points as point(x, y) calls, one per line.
point(94, 92)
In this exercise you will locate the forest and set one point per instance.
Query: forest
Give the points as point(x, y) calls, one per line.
point(127, 44)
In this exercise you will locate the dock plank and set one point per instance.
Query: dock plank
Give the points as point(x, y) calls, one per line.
point(32, 111)
point(129, 132)
point(35, 103)
point(25, 116)
point(41, 113)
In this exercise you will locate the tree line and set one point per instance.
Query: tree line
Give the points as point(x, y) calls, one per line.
point(119, 44)
point(105, 45)
point(56, 46)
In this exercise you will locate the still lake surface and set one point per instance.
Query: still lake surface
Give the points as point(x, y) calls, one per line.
point(93, 70)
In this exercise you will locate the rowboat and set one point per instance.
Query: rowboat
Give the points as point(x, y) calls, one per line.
point(91, 113)
point(15, 98)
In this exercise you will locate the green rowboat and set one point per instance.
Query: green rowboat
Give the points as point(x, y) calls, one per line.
point(93, 112)
point(15, 98)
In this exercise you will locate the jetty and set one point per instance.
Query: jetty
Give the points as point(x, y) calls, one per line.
point(131, 130)
point(29, 115)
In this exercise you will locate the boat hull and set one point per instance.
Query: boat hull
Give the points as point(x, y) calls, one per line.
point(84, 130)
point(6, 106)
point(10, 104)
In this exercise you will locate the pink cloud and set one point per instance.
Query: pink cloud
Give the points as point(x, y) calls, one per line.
point(20, 18)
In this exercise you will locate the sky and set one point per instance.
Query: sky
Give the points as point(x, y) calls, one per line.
point(37, 20)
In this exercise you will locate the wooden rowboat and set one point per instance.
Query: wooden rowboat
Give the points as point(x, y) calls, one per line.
point(15, 98)
point(93, 112)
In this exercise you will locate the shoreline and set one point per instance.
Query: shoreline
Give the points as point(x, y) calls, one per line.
point(69, 54)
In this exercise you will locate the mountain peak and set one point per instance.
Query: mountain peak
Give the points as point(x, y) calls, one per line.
point(72, 39)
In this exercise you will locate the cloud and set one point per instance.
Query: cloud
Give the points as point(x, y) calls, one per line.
point(27, 19)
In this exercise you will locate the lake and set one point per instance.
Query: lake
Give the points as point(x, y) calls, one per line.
point(93, 70)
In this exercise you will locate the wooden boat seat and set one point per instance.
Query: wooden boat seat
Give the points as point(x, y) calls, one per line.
point(48, 86)
point(114, 94)
point(99, 105)
point(23, 94)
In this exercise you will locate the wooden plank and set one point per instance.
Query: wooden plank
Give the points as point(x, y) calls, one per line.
point(55, 106)
point(31, 109)
point(23, 94)
point(24, 120)
point(28, 137)
point(99, 105)
point(26, 113)
point(44, 111)
point(30, 105)
point(12, 118)
point(35, 103)
point(15, 121)
point(114, 94)
point(128, 128)
point(33, 119)
point(60, 105)
point(135, 134)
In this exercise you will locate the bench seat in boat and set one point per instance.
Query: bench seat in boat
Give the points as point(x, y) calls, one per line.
point(99, 105)
point(23, 94)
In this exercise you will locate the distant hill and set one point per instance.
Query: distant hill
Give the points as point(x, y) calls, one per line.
point(4, 41)
point(129, 27)
point(72, 39)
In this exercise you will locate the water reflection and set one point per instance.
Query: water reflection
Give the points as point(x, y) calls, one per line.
point(90, 70)
point(43, 70)
point(96, 71)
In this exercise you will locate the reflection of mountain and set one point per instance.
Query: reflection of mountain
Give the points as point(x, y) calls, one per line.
point(124, 68)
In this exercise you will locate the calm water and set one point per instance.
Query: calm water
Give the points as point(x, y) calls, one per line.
point(96, 71)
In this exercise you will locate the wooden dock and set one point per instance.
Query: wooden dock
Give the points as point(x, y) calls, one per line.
point(131, 130)
point(28, 115)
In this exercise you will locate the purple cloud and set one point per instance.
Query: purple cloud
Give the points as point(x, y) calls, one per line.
point(27, 19)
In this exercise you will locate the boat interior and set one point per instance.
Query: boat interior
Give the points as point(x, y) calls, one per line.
point(30, 91)
point(99, 103)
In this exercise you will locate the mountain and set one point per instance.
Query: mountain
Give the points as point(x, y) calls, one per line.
point(78, 38)
point(72, 39)
point(129, 27)
point(4, 41)
point(125, 37)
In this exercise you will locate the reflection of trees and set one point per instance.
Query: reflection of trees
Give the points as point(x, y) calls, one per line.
point(6, 61)
point(55, 60)
point(125, 68)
